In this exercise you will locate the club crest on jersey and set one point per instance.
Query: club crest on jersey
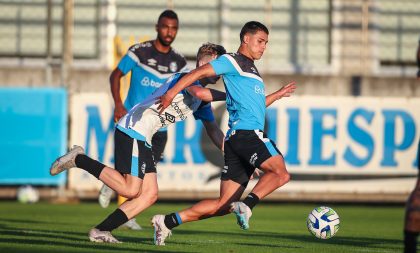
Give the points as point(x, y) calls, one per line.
point(173, 66)
point(170, 117)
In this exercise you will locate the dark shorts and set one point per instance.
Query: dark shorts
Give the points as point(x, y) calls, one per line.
point(159, 140)
point(246, 150)
point(133, 156)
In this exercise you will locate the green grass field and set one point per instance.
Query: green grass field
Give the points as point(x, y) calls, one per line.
point(45, 227)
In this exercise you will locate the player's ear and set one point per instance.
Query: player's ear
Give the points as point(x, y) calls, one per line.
point(246, 38)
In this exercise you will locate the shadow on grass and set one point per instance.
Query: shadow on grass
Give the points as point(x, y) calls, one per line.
point(378, 243)
point(77, 240)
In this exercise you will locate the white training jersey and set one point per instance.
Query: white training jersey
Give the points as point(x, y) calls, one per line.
point(144, 120)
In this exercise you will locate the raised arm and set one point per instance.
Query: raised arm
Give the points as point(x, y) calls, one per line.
point(284, 91)
point(206, 94)
point(201, 72)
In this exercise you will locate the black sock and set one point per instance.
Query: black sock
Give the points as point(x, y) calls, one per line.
point(114, 220)
point(251, 200)
point(92, 166)
point(410, 241)
point(172, 220)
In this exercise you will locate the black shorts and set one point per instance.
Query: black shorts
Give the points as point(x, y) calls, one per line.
point(159, 140)
point(132, 156)
point(246, 150)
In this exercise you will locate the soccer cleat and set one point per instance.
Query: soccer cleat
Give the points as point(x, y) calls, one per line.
point(161, 231)
point(242, 213)
point(66, 161)
point(96, 235)
point(105, 195)
point(131, 224)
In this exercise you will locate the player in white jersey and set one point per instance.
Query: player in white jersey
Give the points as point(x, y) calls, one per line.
point(135, 176)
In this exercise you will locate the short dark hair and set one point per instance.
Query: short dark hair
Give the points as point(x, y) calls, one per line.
point(168, 14)
point(210, 49)
point(252, 27)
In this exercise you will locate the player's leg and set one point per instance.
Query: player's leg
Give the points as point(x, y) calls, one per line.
point(106, 174)
point(230, 191)
point(234, 180)
point(163, 224)
point(102, 232)
point(143, 172)
point(259, 152)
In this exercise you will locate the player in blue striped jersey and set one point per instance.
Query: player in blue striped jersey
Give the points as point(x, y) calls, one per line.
point(134, 175)
point(246, 146)
point(150, 64)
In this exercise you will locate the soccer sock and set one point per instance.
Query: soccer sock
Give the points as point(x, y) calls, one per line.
point(92, 166)
point(172, 220)
point(251, 200)
point(410, 241)
point(114, 220)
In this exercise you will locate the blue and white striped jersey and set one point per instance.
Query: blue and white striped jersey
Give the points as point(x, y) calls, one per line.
point(143, 120)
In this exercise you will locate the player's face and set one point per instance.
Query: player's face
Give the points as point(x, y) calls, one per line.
point(256, 44)
point(166, 30)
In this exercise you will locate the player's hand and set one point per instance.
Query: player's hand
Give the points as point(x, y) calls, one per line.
point(287, 90)
point(119, 112)
point(163, 102)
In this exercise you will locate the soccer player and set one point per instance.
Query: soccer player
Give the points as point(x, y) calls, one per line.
point(246, 104)
point(150, 63)
point(134, 176)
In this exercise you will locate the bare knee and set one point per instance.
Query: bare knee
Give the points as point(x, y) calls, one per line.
point(283, 177)
point(130, 193)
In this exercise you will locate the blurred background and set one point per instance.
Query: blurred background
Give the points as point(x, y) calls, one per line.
point(350, 133)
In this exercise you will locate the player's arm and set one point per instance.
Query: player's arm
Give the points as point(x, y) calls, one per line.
point(115, 81)
point(201, 72)
point(213, 131)
point(206, 94)
point(284, 91)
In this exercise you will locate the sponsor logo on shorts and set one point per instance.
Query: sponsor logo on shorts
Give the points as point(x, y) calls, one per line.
point(254, 157)
point(225, 169)
point(143, 168)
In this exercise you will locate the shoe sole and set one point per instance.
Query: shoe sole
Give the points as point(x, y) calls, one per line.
point(154, 224)
point(59, 164)
point(100, 240)
point(240, 218)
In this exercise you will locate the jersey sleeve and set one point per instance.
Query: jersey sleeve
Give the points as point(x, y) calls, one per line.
point(127, 63)
point(204, 113)
point(223, 65)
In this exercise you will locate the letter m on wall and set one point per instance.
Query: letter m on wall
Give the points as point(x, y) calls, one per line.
point(97, 132)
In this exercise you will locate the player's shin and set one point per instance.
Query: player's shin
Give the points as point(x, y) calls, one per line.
point(90, 165)
point(113, 221)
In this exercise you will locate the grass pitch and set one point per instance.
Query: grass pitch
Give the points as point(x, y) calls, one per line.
point(45, 227)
